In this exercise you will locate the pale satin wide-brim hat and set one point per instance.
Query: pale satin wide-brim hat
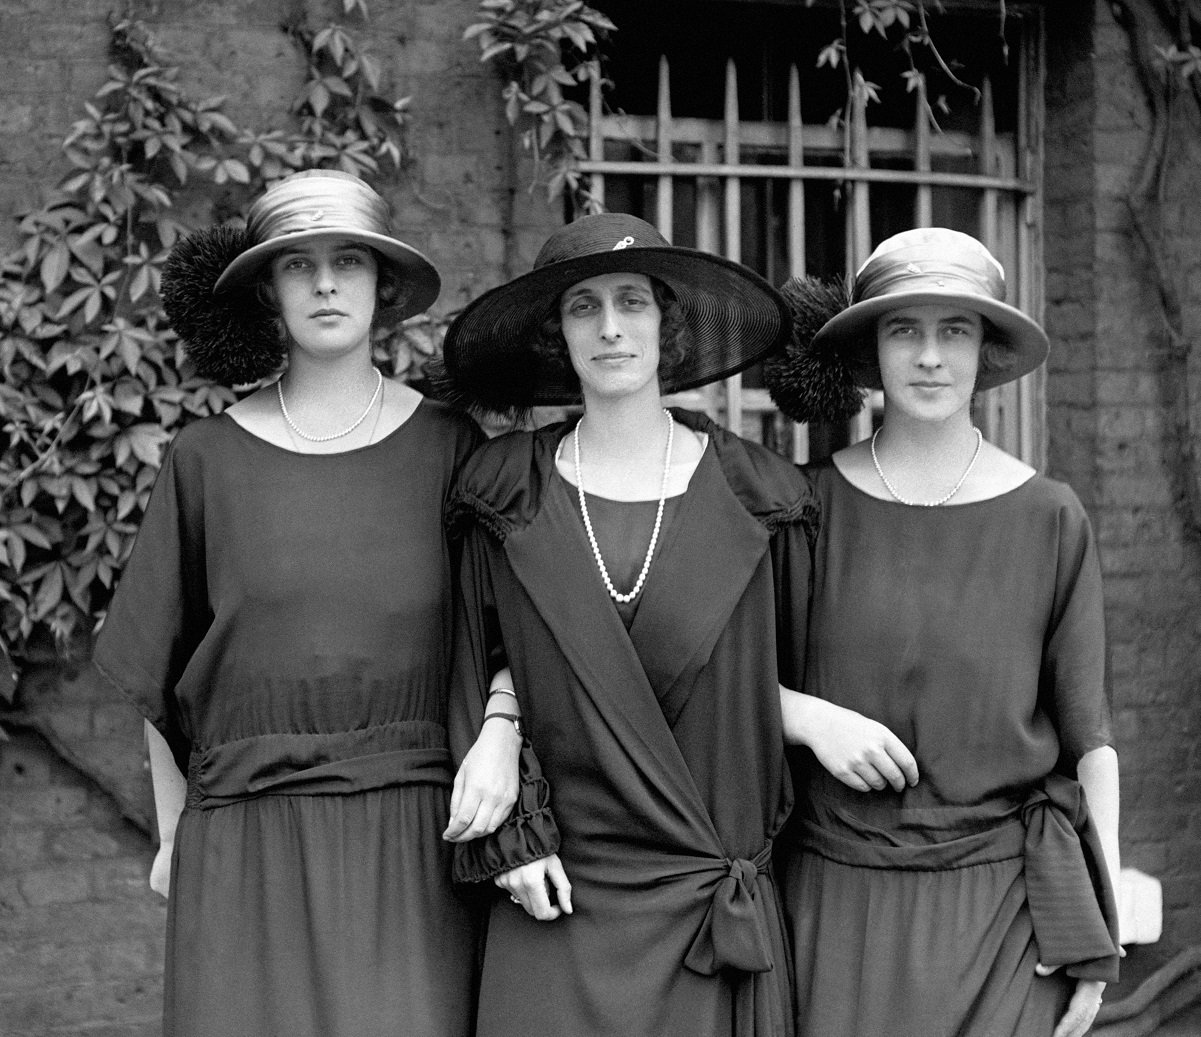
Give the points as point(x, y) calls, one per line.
point(733, 315)
point(325, 203)
point(932, 265)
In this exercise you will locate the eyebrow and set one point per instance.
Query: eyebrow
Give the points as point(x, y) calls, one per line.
point(571, 293)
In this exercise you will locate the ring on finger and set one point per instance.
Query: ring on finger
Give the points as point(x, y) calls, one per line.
point(515, 900)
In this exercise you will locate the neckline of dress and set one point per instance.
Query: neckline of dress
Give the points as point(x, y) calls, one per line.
point(335, 453)
point(944, 508)
point(615, 500)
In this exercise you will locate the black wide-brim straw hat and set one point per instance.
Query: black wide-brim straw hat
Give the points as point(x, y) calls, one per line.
point(210, 278)
point(733, 315)
point(933, 265)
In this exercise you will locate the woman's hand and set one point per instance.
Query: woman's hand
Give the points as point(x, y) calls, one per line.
point(530, 887)
point(160, 870)
point(1082, 1009)
point(485, 787)
point(860, 752)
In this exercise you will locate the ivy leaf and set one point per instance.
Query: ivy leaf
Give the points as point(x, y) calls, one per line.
point(55, 264)
point(146, 441)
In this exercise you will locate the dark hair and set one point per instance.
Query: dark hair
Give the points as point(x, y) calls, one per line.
point(675, 340)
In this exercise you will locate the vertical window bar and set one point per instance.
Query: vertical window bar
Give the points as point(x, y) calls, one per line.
point(859, 229)
point(596, 137)
point(796, 224)
point(733, 223)
point(664, 195)
point(924, 206)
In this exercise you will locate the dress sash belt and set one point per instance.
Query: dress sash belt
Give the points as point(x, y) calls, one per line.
point(735, 934)
point(338, 763)
point(1071, 901)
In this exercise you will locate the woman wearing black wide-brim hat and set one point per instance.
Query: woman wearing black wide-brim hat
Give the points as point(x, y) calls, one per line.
point(956, 849)
point(283, 625)
point(627, 566)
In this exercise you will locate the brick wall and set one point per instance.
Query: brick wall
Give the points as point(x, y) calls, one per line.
point(1112, 436)
point(463, 201)
point(81, 934)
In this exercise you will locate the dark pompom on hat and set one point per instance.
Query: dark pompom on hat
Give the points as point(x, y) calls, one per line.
point(806, 382)
point(232, 338)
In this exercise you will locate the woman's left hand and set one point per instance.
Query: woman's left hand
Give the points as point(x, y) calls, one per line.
point(485, 787)
point(1082, 1009)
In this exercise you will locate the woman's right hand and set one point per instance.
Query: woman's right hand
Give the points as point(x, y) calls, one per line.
point(530, 887)
point(160, 870)
point(860, 752)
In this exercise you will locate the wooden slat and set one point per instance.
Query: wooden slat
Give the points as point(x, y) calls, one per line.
point(732, 196)
point(796, 186)
point(924, 203)
point(663, 193)
point(596, 140)
point(859, 232)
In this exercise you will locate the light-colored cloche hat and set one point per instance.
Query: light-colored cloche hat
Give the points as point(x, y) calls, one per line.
point(210, 278)
point(733, 315)
point(831, 360)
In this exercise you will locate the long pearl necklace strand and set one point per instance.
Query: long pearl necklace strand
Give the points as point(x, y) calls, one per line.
point(650, 551)
point(283, 407)
point(941, 500)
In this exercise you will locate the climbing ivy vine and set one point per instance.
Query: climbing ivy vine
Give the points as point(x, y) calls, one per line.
point(92, 381)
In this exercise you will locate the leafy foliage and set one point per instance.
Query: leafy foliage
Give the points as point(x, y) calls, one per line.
point(92, 381)
point(542, 48)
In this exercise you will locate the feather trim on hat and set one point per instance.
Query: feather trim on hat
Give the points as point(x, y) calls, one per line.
point(806, 383)
point(232, 338)
point(488, 400)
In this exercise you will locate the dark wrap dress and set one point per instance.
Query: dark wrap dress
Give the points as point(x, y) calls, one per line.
point(285, 622)
point(975, 633)
point(662, 745)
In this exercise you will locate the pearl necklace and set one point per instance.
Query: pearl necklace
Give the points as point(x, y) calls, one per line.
point(283, 407)
point(650, 551)
point(941, 500)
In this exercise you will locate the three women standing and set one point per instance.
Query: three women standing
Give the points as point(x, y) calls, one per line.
point(636, 568)
point(284, 625)
point(956, 877)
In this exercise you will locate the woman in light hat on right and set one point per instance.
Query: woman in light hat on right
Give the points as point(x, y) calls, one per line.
point(956, 846)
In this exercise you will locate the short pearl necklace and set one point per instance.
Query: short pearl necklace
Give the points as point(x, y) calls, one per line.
point(650, 551)
point(279, 391)
point(941, 500)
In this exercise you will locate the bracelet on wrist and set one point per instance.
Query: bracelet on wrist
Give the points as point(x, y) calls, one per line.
point(503, 691)
point(513, 718)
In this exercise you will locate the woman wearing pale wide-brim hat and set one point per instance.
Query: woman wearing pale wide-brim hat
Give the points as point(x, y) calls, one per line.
point(627, 567)
point(957, 847)
point(284, 625)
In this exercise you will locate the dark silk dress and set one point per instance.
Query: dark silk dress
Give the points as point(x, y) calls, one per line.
point(657, 768)
point(285, 621)
point(975, 633)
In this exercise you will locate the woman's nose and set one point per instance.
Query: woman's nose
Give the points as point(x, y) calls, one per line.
point(324, 282)
point(929, 355)
point(610, 328)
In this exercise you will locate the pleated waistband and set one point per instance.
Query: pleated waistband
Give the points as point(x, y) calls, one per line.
point(338, 763)
point(1068, 890)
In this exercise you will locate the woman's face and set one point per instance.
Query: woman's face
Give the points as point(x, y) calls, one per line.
point(325, 290)
point(929, 356)
point(611, 325)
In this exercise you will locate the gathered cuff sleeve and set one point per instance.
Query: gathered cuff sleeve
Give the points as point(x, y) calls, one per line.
point(528, 834)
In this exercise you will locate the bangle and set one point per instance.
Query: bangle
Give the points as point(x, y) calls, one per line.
point(513, 718)
point(502, 691)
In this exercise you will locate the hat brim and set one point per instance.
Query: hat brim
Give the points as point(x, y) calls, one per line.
point(856, 326)
point(421, 281)
point(733, 315)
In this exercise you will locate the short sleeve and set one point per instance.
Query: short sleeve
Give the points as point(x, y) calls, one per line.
point(1073, 673)
point(160, 610)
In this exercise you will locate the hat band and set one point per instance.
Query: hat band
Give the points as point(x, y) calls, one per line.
point(312, 208)
point(892, 275)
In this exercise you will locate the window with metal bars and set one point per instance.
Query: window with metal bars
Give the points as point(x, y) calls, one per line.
point(715, 122)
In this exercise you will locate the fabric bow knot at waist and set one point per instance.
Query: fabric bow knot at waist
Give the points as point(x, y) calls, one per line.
point(734, 934)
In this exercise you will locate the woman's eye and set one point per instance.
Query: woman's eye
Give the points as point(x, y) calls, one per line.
point(634, 302)
point(580, 307)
